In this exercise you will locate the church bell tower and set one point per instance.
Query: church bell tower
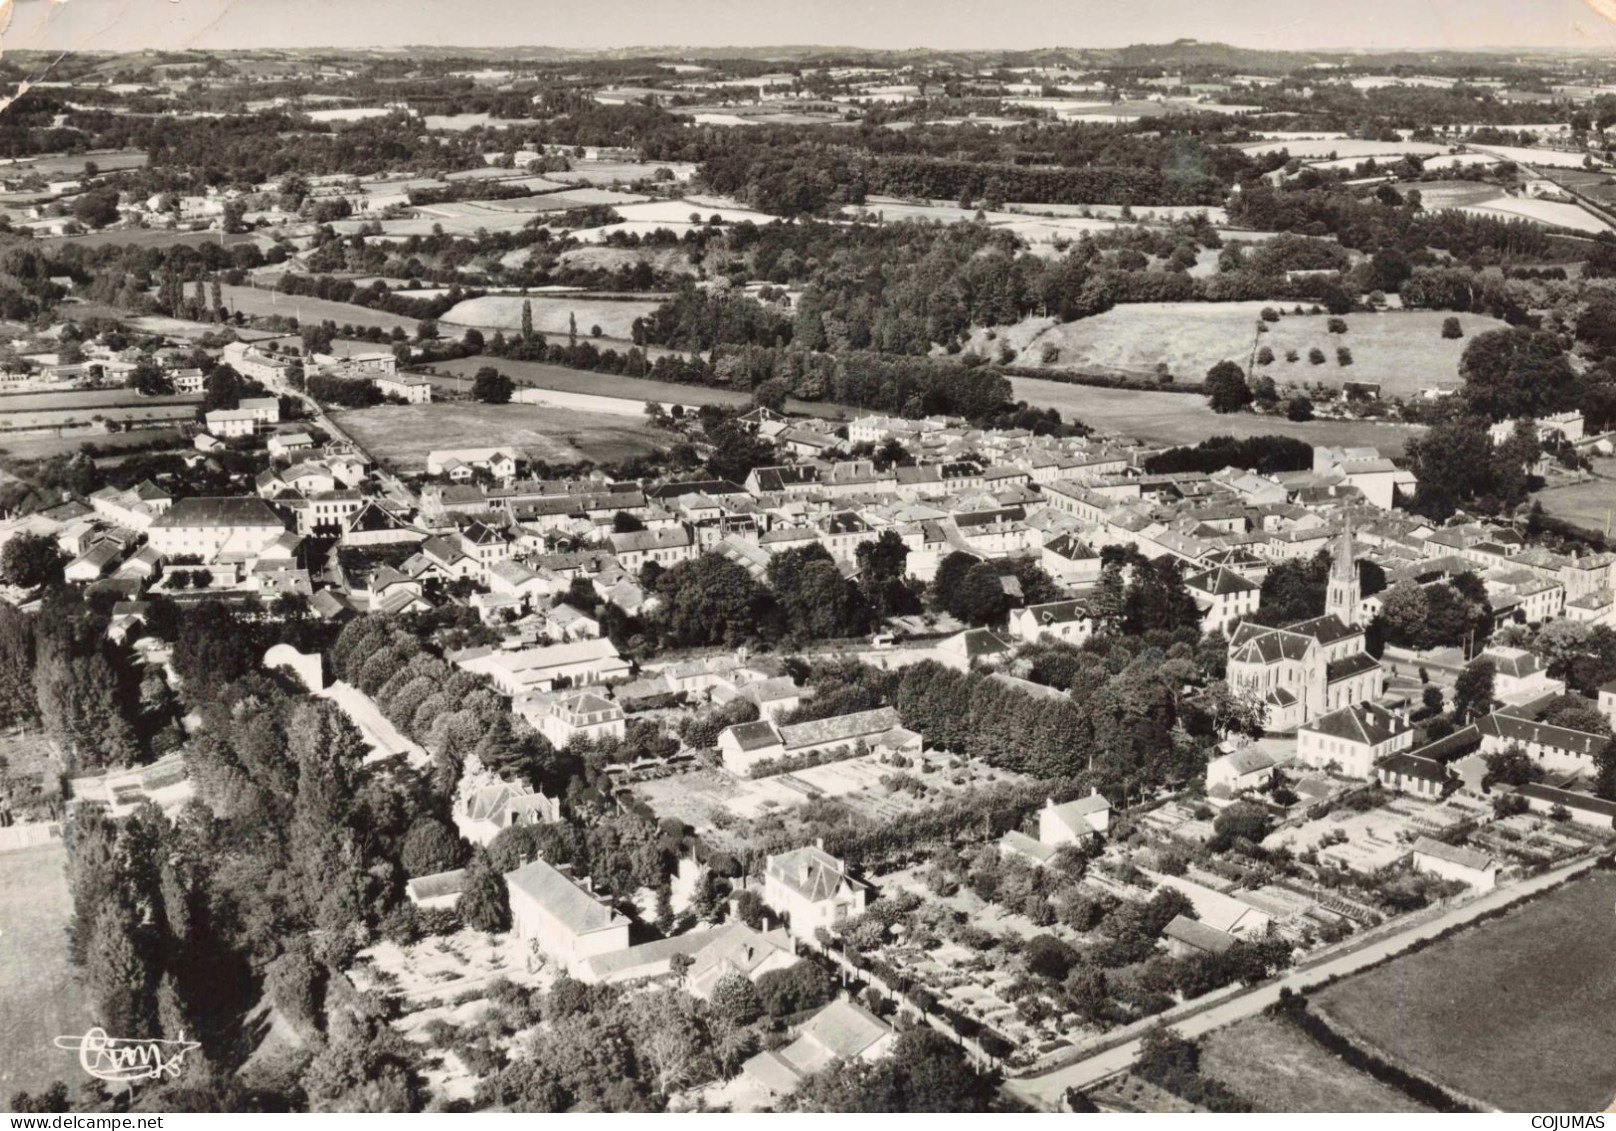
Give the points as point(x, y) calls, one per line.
point(1345, 590)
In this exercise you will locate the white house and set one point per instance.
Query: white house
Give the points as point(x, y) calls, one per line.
point(567, 922)
point(812, 889)
point(1066, 621)
point(1451, 862)
point(1074, 822)
point(582, 715)
point(204, 527)
point(519, 671)
point(486, 804)
point(1353, 740)
point(1243, 769)
point(842, 1031)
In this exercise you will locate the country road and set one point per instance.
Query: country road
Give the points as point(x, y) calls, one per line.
point(1045, 1091)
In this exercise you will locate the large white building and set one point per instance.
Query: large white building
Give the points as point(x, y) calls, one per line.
point(568, 923)
point(206, 527)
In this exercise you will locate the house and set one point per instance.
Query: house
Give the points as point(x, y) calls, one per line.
point(1352, 740)
point(94, 562)
point(501, 463)
point(439, 890)
point(667, 547)
point(840, 1032)
point(409, 389)
point(973, 646)
point(735, 948)
point(133, 508)
point(1074, 822)
point(1224, 597)
point(567, 922)
point(486, 804)
point(1452, 862)
point(1556, 748)
point(1066, 621)
point(1519, 676)
point(1416, 774)
point(1218, 910)
point(1070, 561)
point(265, 410)
point(1583, 808)
point(520, 671)
point(1243, 769)
point(206, 527)
point(229, 423)
point(812, 889)
point(284, 444)
point(1185, 937)
point(746, 745)
point(583, 715)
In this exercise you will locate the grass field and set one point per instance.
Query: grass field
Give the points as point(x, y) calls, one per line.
point(1402, 350)
point(1589, 505)
point(144, 237)
point(401, 436)
point(1180, 418)
point(255, 302)
point(1280, 1069)
point(84, 398)
point(1519, 1012)
point(39, 997)
point(69, 417)
point(545, 376)
point(550, 315)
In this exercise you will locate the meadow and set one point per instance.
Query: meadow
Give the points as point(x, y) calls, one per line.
point(1518, 1012)
point(1281, 1069)
point(255, 302)
point(1183, 418)
point(1589, 505)
point(402, 435)
point(551, 315)
point(40, 998)
point(1403, 351)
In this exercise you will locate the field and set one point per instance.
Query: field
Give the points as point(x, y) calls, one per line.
point(401, 436)
point(633, 388)
point(145, 237)
point(83, 398)
point(1554, 213)
point(1519, 1012)
point(39, 997)
point(1180, 418)
point(1280, 1069)
point(1589, 504)
point(72, 164)
point(1329, 148)
point(1403, 350)
point(550, 315)
point(259, 303)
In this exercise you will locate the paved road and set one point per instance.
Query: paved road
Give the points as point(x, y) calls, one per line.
point(1046, 1091)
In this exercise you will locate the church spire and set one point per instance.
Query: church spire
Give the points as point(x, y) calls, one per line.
point(1344, 591)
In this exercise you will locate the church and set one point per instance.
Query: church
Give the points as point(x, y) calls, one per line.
point(1313, 667)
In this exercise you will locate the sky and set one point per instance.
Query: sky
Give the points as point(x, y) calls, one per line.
point(111, 25)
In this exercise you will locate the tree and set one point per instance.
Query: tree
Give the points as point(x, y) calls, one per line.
point(771, 394)
point(736, 1000)
point(148, 379)
point(96, 208)
point(527, 320)
point(491, 386)
point(485, 903)
point(1451, 328)
point(708, 600)
point(799, 987)
point(120, 972)
point(29, 560)
point(429, 847)
point(1226, 388)
point(737, 449)
point(980, 596)
point(1240, 821)
point(926, 1072)
point(1473, 690)
point(1516, 372)
point(1299, 409)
